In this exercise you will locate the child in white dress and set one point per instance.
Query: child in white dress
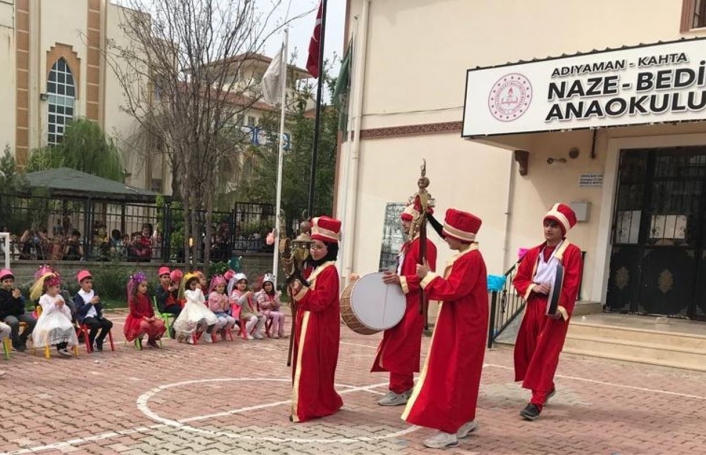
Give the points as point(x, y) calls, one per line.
point(54, 326)
point(195, 318)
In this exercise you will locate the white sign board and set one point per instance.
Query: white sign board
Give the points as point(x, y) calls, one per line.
point(591, 180)
point(646, 84)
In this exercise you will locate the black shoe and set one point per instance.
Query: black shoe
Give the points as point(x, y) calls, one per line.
point(22, 347)
point(531, 412)
point(99, 346)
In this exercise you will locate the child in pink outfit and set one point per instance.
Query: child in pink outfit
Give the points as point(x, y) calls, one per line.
point(219, 303)
point(269, 304)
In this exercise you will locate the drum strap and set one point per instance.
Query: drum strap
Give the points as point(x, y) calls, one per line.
point(558, 254)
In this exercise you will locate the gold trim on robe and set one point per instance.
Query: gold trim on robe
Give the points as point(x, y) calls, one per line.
point(302, 338)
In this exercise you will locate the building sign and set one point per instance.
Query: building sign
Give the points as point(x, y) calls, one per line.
point(631, 86)
point(260, 136)
point(594, 179)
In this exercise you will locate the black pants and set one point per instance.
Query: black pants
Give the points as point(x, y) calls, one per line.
point(14, 323)
point(96, 324)
point(174, 309)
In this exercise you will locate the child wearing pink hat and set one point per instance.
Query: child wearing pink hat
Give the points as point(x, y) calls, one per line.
point(219, 303)
point(167, 294)
point(89, 310)
point(54, 326)
point(12, 310)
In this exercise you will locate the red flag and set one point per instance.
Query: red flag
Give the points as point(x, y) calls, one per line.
point(312, 63)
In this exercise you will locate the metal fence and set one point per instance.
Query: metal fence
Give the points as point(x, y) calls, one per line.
point(49, 229)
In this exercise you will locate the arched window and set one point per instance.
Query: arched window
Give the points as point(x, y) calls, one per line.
point(62, 94)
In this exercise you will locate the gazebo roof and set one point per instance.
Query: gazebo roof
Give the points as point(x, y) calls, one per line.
point(66, 182)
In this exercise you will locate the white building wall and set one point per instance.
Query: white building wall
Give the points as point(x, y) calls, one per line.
point(7, 74)
point(411, 81)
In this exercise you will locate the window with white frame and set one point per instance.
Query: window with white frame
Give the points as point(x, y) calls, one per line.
point(61, 91)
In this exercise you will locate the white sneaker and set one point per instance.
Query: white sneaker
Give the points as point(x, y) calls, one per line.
point(395, 399)
point(250, 337)
point(65, 352)
point(207, 338)
point(466, 429)
point(259, 337)
point(441, 440)
point(190, 339)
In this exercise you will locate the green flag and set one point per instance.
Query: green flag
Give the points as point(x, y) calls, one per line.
point(343, 88)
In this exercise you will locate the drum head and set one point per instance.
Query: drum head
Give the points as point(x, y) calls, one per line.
point(377, 305)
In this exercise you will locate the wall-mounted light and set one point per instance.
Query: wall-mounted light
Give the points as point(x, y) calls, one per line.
point(43, 96)
point(551, 160)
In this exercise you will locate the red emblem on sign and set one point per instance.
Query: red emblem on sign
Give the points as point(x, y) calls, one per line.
point(510, 97)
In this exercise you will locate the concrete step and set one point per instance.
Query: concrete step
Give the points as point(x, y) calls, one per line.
point(586, 308)
point(666, 339)
point(656, 347)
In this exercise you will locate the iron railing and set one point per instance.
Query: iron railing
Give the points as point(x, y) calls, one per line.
point(49, 229)
point(511, 305)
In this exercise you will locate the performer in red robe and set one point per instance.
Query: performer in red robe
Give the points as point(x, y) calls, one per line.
point(541, 336)
point(400, 347)
point(446, 393)
point(318, 328)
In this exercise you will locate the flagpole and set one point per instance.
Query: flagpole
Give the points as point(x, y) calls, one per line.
point(317, 122)
point(280, 155)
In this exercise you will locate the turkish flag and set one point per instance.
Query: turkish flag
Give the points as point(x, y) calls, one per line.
point(312, 63)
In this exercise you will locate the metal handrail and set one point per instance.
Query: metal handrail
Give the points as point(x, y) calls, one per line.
point(511, 305)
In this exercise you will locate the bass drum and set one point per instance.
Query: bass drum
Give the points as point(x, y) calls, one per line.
point(369, 306)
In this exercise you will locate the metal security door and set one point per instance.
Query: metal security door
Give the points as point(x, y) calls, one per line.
point(657, 257)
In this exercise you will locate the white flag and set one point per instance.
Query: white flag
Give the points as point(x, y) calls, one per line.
point(272, 82)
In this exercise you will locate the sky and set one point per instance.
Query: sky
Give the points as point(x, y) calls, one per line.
point(300, 30)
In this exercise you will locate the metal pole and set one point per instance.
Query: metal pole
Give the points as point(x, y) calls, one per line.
point(280, 157)
point(317, 122)
point(491, 322)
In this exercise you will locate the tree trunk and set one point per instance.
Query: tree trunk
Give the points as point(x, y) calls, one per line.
point(195, 233)
point(187, 233)
point(207, 240)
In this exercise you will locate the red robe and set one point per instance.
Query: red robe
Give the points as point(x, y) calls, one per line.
point(541, 338)
point(446, 393)
point(401, 345)
point(316, 341)
point(140, 308)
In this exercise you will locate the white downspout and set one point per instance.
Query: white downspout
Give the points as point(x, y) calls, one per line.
point(508, 213)
point(351, 207)
point(342, 190)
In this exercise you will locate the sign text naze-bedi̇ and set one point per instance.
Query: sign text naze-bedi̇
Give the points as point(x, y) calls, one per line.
point(656, 91)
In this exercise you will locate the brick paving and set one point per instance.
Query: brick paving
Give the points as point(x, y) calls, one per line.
point(232, 398)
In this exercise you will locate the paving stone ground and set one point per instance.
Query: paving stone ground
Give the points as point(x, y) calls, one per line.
point(233, 397)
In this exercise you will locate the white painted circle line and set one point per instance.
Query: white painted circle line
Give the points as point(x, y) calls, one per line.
point(142, 405)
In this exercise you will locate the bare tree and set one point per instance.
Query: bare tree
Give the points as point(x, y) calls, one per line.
point(179, 68)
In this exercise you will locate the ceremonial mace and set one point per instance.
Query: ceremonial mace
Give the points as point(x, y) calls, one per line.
point(423, 201)
point(293, 256)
